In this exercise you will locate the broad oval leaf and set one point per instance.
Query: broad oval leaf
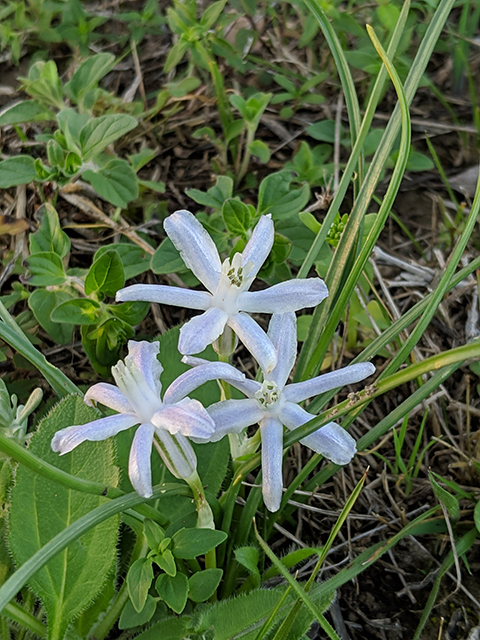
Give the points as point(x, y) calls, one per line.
point(134, 259)
point(202, 585)
point(173, 590)
point(49, 236)
point(80, 311)
point(41, 509)
point(46, 268)
point(190, 543)
point(116, 182)
point(42, 302)
point(98, 133)
point(106, 275)
point(17, 170)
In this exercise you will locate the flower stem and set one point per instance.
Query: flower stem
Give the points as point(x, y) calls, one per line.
point(205, 515)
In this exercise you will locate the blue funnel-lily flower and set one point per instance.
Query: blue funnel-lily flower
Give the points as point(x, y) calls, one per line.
point(166, 423)
point(273, 404)
point(228, 302)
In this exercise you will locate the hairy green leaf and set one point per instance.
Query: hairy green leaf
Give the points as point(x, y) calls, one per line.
point(41, 509)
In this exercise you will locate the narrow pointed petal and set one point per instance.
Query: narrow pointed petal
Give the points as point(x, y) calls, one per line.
point(139, 463)
point(291, 295)
point(108, 395)
point(255, 339)
point(188, 417)
point(177, 453)
point(300, 391)
point(246, 386)
point(164, 294)
point(282, 331)
point(331, 441)
point(144, 355)
point(190, 380)
point(200, 331)
point(232, 416)
point(196, 247)
point(67, 439)
point(272, 460)
point(259, 245)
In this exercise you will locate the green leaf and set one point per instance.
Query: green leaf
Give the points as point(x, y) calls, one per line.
point(49, 236)
point(238, 216)
point(106, 275)
point(131, 312)
point(476, 516)
point(173, 590)
point(98, 133)
point(450, 502)
point(139, 579)
point(153, 533)
point(176, 54)
point(275, 195)
point(216, 195)
point(88, 74)
point(166, 562)
point(260, 149)
point(202, 585)
point(134, 259)
point(166, 259)
point(211, 14)
point(17, 170)
point(79, 311)
point(131, 618)
point(41, 509)
point(116, 182)
point(323, 131)
point(42, 302)
point(190, 543)
point(46, 268)
point(25, 111)
point(249, 558)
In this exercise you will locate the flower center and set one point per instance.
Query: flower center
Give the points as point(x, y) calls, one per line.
point(233, 280)
point(136, 390)
point(268, 395)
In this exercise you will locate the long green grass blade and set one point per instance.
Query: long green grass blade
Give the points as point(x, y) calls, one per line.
point(357, 143)
point(342, 276)
point(311, 356)
point(14, 336)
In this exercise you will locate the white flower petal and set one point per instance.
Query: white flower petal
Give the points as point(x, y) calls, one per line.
point(331, 441)
point(188, 417)
point(177, 453)
point(67, 439)
point(200, 331)
point(282, 331)
point(164, 294)
point(232, 416)
point(259, 245)
point(144, 356)
point(272, 458)
point(196, 247)
point(190, 380)
point(139, 463)
point(300, 391)
point(291, 295)
point(108, 395)
point(246, 386)
point(255, 339)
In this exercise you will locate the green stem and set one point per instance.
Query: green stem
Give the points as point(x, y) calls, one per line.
point(112, 614)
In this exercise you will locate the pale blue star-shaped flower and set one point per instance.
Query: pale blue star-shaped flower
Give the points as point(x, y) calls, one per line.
point(166, 423)
point(274, 404)
point(227, 303)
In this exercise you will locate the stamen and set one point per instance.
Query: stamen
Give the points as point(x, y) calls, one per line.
point(268, 394)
